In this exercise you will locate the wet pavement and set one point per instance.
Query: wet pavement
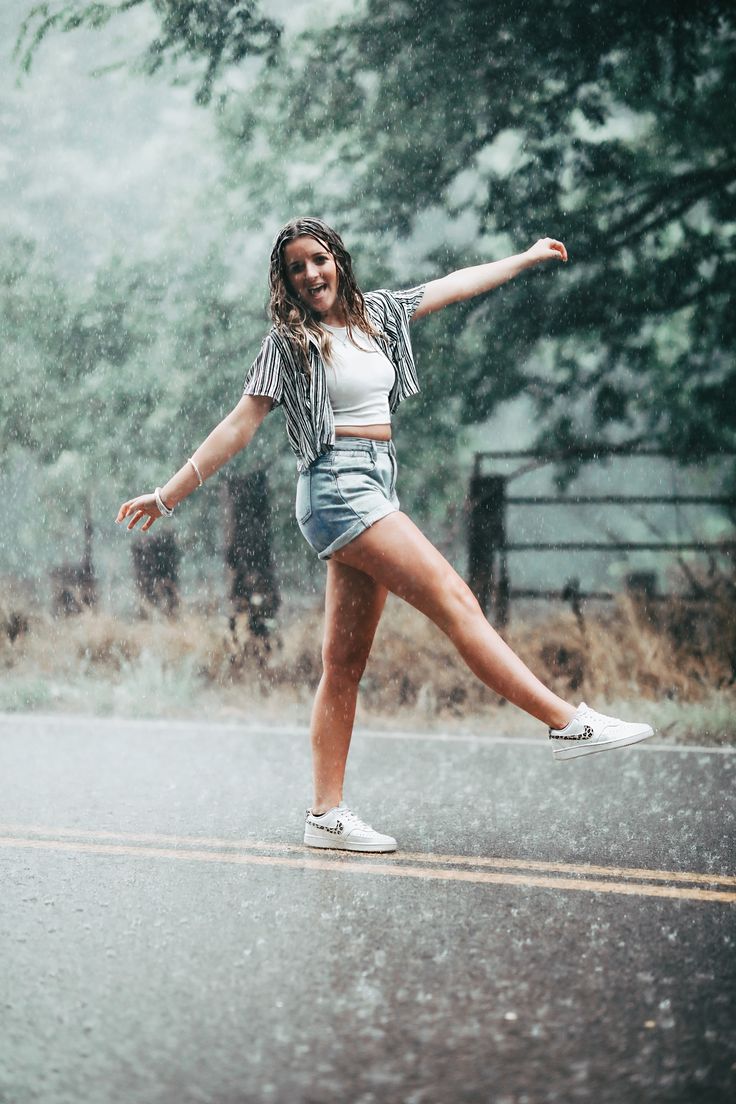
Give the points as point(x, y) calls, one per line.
point(546, 932)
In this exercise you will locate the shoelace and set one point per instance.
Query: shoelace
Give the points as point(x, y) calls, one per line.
point(354, 821)
point(590, 714)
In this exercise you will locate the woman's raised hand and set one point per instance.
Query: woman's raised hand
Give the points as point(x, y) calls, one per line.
point(136, 508)
point(547, 249)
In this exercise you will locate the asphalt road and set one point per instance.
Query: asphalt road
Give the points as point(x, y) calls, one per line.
point(547, 932)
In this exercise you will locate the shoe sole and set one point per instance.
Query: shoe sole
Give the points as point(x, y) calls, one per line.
point(590, 749)
point(333, 845)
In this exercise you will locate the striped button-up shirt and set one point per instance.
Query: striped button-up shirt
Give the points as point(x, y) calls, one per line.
point(277, 373)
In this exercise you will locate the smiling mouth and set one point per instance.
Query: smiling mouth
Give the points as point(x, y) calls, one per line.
point(317, 290)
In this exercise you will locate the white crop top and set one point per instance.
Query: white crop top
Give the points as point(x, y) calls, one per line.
point(358, 379)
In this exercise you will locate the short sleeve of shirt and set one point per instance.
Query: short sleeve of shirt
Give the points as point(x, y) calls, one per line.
point(409, 299)
point(266, 375)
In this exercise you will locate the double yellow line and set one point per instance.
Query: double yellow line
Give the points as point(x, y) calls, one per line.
point(477, 869)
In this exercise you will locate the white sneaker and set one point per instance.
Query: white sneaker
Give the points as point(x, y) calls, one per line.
point(340, 828)
point(589, 732)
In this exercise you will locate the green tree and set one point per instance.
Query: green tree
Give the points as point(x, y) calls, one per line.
point(608, 125)
point(68, 358)
point(107, 390)
point(217, 32)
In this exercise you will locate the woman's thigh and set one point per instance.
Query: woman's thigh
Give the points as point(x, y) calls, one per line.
point(354, 603)
point(397, 555)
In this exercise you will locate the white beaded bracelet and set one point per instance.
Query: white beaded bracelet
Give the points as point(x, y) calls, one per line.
point(196, 471)
point(162, 507)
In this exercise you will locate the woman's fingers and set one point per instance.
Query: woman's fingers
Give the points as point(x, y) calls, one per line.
point(559, 248)
point(136, 508)
point(139, 513)
point(127, 509)
point(547, 249)
point(554, 248)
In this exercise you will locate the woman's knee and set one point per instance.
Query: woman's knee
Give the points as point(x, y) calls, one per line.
point(458, 603)
point(345, 663)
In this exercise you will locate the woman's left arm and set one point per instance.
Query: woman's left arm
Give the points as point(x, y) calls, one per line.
point(467, 282)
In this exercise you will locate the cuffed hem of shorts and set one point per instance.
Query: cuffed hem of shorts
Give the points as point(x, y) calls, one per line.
point(356, 529)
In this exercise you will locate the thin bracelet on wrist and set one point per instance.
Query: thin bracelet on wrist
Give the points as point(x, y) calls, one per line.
point(197, 472)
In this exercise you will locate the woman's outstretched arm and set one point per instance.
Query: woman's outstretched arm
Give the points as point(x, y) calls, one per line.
point(467, 282)
point(233, 433)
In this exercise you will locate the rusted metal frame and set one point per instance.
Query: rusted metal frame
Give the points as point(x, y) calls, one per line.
point(491, 579)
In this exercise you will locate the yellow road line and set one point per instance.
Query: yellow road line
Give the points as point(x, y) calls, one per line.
point(387, 869)
point(430, 858)
point(579, 868)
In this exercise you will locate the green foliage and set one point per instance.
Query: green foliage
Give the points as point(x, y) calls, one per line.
point(607, 125)
point(220, 32)
point(74, 366)
point(32, 315)
point(612, 133)
point(112, 386)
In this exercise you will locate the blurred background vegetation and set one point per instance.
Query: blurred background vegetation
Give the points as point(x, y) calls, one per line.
point(151, 148)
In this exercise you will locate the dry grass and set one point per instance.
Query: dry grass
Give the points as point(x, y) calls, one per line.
point(681, 656)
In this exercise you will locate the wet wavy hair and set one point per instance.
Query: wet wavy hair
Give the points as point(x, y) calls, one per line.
point(293, 317)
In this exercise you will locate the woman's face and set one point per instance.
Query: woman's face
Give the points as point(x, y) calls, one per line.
point(313, 275)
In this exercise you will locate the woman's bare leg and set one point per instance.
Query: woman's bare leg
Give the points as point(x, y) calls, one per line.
point(353, 606)
point(399, 557)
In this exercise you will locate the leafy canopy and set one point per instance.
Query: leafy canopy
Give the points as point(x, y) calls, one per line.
point(222, 32)
point(608, 125)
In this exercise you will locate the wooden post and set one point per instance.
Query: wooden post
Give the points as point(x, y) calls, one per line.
point(571, 593)
point(487, 559)
point(641, 586)
point(249, 554)
point(74, 586)
point(156, 569)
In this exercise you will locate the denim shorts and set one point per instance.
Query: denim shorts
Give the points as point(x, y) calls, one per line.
point(345, 491)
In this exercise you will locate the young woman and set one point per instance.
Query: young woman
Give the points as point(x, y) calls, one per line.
point(340, 362)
